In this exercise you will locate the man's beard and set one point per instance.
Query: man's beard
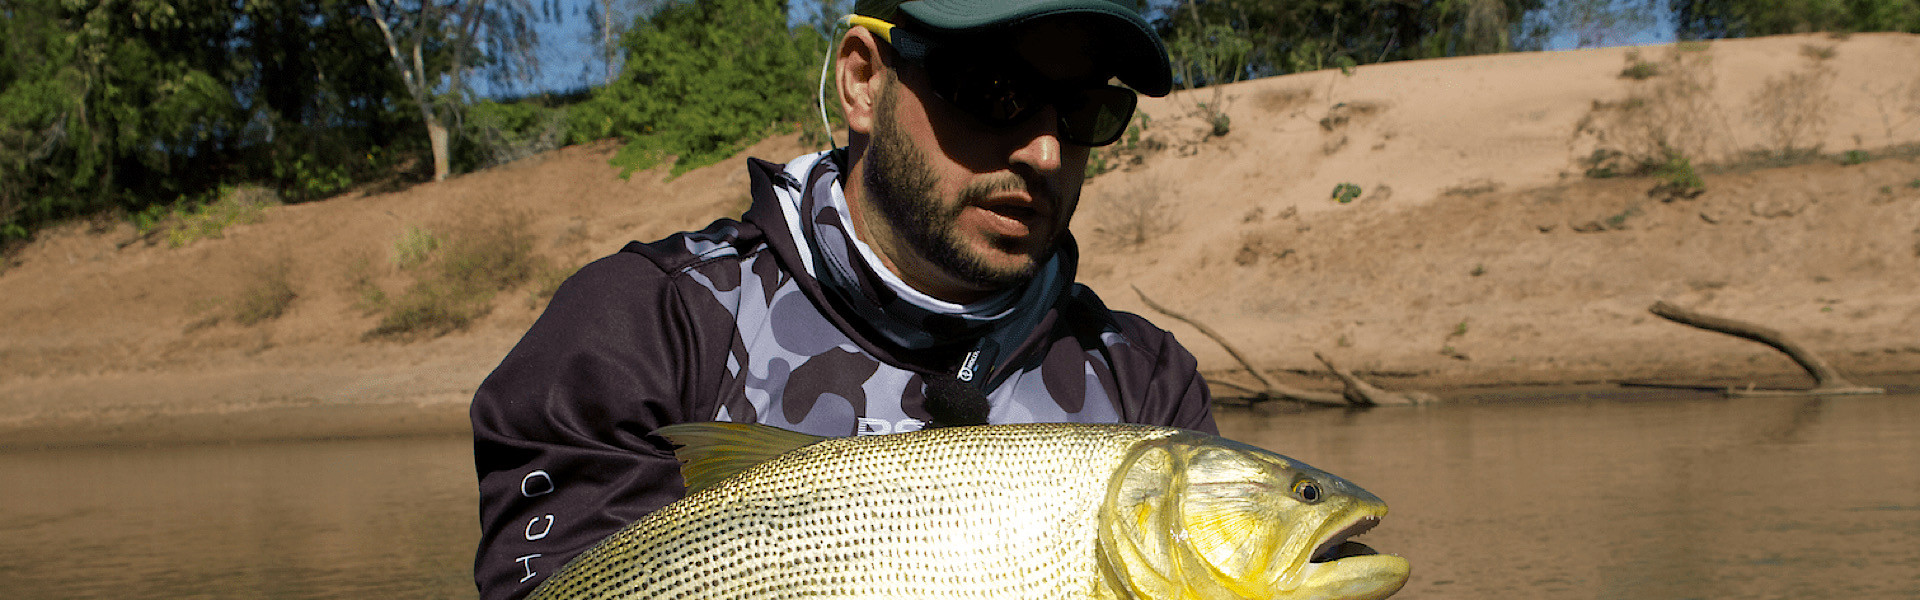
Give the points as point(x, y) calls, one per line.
point(902, 185)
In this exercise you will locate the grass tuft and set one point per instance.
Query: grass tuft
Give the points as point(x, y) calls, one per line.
point(190, 220)
point(414, 246)
point(455, 283)
point(266, 296)
point(1137, 215)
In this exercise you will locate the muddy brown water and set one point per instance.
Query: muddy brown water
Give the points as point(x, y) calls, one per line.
point(1605, 494)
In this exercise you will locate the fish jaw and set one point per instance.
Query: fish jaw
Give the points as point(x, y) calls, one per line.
point(1341, 569)
point(1366, 577)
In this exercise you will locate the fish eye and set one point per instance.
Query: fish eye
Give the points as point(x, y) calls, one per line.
point(1306, 491)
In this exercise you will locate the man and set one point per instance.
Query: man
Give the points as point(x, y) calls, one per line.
point(921, 276)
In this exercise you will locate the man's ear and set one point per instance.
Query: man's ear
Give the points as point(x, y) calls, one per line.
point(858, 74)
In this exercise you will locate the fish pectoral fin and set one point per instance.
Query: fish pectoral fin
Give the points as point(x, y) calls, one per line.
point(712, 452)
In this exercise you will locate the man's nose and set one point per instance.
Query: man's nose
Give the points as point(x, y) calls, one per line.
point(1039, 147)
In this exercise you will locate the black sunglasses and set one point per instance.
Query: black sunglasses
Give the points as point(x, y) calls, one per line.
point(1005, 92)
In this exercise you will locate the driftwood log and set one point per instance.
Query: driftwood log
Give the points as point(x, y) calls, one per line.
point(1356, 392)
point(1826, 380)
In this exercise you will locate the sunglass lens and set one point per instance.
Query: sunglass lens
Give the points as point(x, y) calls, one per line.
point(1096, 116)
point(1093, 116)
point(998, 99)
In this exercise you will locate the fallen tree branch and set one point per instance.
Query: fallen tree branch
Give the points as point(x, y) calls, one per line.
point(1826, 380)
point(1360, 392)
point(1274, 391)
point(1206, 331)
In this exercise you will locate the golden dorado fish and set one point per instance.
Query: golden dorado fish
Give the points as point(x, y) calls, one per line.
point(1006, 512)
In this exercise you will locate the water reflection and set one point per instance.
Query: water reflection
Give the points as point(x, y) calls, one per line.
point(348, 519)
point(1680, 498)
point(1594, 495)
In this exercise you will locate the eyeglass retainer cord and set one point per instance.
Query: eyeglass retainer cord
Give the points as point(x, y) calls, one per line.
point(826, 61)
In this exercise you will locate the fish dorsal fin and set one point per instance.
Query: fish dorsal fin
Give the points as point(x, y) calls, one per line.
point(711, 452)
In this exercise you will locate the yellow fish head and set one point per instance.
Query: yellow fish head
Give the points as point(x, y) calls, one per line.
point(1200, 517)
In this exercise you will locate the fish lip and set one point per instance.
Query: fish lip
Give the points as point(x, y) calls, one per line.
point(1332, 545)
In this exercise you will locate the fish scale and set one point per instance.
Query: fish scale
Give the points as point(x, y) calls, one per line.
point(1034, 511)
point(871, 517)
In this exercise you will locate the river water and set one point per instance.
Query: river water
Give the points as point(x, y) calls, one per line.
point(1601, 495)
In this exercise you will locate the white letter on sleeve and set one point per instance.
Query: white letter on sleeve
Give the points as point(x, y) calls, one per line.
point(537, 483)
point(543, 530)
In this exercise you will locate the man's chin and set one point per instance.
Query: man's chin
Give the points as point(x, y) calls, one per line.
point(997, 268)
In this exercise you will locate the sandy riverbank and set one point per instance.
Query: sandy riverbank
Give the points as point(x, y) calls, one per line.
point(1476, 253)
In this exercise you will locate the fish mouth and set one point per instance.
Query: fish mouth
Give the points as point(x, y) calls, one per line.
point(1342, 569)
point(1338, 546)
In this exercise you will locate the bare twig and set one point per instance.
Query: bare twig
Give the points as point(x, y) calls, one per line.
point(1362, 393)
point(1207, 331)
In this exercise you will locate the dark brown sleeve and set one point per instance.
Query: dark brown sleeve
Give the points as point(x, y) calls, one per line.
point(1171, 390)
point(561, 428)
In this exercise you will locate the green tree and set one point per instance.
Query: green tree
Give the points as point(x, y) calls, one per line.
point(324, 107)
point(434, 46)
point(1707, 19)
point(1280, 36)
point(703, 79)
point(107, 102)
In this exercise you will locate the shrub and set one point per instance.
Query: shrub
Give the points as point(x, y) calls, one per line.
point(698, 92)
point(1792, 111)
point(414, 246)
point(309, 177)
point(1672, 112)
point(191, 220)
point(479, 257)
point(1346, 192)
point(1638, 69)
point(1222, 124)
point(1677, 180)
point(266, 296)
point(496, 133)
point(1137, 215)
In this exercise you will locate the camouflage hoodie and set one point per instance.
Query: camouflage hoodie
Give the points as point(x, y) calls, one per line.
point(774, 319)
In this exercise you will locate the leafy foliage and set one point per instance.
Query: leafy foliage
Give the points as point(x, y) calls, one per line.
point(101, 100)
point(1706, 19)
point(112, 105)
point(190, 220)
point(702, 80)
point(495, 133)
point(1345, 192)
point(1220, 41)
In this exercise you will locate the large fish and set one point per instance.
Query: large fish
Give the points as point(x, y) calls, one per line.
point(1005, 512)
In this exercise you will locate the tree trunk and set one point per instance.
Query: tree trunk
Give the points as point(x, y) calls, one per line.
point(437, 137)
point(415, 78)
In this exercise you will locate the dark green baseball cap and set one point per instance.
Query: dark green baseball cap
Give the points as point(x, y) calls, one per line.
point(1139, 58)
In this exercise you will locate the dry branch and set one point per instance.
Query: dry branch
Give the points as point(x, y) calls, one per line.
point(1826, 380)
point(1368, 396)
point(1362, 393)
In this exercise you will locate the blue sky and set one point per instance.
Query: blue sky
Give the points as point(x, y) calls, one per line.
point(569, 60)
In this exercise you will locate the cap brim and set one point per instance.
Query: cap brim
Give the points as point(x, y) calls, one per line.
point(1141, 57)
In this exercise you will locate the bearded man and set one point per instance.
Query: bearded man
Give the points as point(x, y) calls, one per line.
point(921, 276)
